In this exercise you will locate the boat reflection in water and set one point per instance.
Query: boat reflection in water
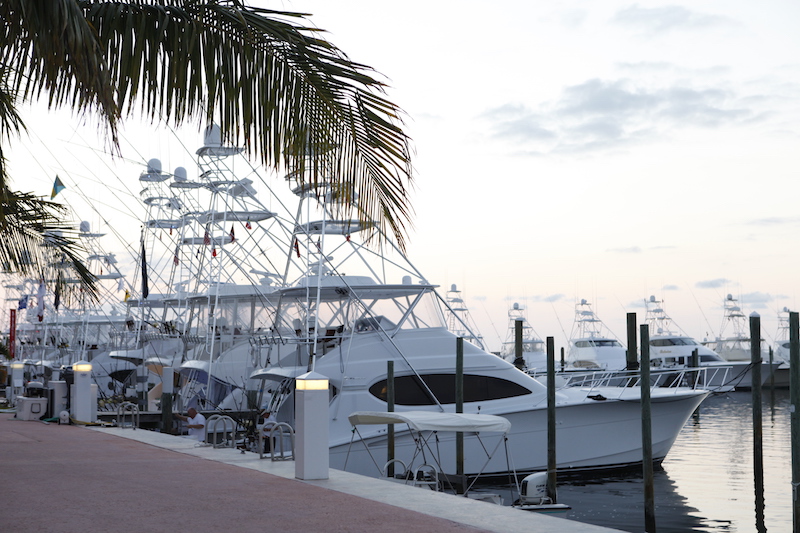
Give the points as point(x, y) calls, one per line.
point(706, 482)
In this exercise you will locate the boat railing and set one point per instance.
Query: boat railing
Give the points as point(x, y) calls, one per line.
point(701, 378)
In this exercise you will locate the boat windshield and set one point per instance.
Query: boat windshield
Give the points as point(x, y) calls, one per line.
point(674, 341)
point(598, 343)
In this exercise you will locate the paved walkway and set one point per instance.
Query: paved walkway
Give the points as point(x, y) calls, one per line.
point(72, 479)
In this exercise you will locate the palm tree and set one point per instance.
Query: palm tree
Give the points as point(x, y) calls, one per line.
point(272, 83)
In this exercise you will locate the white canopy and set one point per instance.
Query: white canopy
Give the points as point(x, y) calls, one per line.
point(431, 421)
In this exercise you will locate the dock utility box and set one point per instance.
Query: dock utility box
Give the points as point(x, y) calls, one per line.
point(31, 408)
point(33, 405)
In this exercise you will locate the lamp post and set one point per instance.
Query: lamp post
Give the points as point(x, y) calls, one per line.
point(312, 458)
point(17, 380)
point(83, 406)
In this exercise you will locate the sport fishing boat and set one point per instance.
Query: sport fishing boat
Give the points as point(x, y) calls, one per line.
point(733, 343)
point(592, 345)
point(670, 348)
point(356, 308)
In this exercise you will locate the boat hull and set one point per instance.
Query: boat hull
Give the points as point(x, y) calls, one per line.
point(604, 434)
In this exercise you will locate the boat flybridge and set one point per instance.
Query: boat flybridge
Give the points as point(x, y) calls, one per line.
point(592, 345)
point(356, 308)
point(733, 343)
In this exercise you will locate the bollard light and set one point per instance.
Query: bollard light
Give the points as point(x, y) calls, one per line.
point(83, 402)
point(17, 380)
point(312, 455)
point(82, 366)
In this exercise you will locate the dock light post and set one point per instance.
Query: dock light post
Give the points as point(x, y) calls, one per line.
point(17, 380)
point(312, 458)
point(83, 405)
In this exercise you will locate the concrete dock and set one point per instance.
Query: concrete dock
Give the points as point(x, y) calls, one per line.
point(64, 478)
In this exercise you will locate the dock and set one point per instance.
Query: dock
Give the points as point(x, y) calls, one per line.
point(69, 478)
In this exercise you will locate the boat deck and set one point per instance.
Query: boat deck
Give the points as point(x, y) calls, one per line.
point(85, 479)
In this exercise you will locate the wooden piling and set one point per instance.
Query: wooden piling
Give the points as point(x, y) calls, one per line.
point(552, 474)
point(460, 406)
point(647, 431)
point(390, 408)
point(630, 354)
point(519, 361)
point(167, 387)
point(794, 412)
point(758, 449)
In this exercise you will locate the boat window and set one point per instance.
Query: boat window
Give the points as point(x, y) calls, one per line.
point(409, 391)
point(711, 357)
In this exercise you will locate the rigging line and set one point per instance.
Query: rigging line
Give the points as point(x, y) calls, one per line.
point(701, 309)
point(494, 327)
point(70, 174)
point(560, 325)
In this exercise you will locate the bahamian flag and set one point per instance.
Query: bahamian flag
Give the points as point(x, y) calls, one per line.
point(57, 188)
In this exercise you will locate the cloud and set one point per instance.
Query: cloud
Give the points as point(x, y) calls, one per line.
point(775, 221)
point(631, 250)
point(552, 298)
point(611, 114)
point(756, 300)
point(670, 288)
point(712, 283)
point(657, 20)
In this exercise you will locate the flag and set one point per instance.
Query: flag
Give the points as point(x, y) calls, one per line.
point(214, 252)
point(127, 295)
point(40, 301)
point(145, 289)
point(206, 238)
point(233, 237)
point(121, 284)
point(57, 297)
point(23, 303)
point(57, 188)
point(248, 225)
point(297, 247)
point(175, 257)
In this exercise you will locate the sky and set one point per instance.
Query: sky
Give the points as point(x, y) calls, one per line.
point(596, 150)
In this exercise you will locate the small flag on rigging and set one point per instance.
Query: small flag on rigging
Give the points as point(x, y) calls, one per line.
point(57, 188)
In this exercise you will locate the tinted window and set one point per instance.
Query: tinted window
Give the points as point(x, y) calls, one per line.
point(409, 391)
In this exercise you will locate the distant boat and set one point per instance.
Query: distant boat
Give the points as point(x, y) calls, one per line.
point(592, 344)
point(534, 358)
point(781, 354)
point(671, 348)
point(733, 343)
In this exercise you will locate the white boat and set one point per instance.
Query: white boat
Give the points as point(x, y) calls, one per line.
point(782, 352)
point(534, 357)
point(671, 348)
point(348, 327)
point(459, 320)
point(733, 343)
point(592, 345)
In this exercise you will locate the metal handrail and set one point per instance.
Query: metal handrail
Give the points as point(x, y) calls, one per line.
point(123, 409)
point(211, 427)
point(279, 427)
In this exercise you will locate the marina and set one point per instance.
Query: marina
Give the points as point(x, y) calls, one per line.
point(706, 485)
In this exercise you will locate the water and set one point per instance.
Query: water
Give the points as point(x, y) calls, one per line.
point(706, 484)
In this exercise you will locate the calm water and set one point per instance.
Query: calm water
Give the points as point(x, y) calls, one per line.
point(706, 484)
